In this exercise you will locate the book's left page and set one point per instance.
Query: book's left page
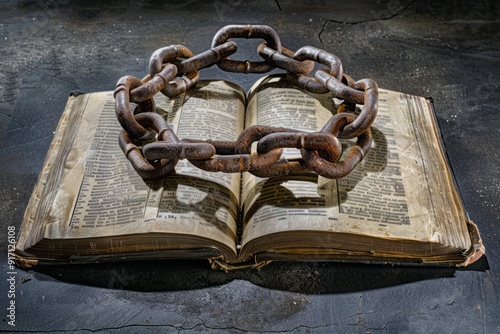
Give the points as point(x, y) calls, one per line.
point(89, 201)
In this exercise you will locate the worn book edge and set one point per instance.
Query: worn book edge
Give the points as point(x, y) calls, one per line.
point(25, 260)
point(478, 249)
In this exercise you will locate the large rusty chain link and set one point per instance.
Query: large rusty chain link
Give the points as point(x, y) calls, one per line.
point(174, 69)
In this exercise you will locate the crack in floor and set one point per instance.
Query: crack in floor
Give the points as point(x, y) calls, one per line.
point(363, 21)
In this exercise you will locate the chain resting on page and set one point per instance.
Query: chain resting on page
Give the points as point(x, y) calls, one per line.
point(175, 69)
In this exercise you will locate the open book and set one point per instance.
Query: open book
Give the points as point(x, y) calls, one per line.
point(399, 205)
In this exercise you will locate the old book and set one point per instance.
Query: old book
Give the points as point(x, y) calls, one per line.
point(400, 205)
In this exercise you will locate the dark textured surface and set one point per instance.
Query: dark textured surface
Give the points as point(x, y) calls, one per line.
point(449, 51)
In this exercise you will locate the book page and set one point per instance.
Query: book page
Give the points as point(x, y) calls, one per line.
point(214, 110)
point(44, 191)
point(388, 195)
point(100, 195)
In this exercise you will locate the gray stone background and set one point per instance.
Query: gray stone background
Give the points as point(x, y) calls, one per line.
point(448, 50)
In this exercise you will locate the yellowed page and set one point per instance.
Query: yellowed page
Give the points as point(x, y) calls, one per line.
point(389, 195)
point(100, 195)
point(43, 192)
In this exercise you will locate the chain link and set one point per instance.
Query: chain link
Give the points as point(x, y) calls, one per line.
point(174, 69)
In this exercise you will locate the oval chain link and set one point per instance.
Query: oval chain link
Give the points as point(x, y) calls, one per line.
point(238, 31)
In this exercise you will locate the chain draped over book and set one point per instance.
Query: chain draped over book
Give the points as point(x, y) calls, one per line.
point(174, 69)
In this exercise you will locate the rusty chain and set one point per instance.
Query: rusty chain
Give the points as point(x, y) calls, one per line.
point(174, 69)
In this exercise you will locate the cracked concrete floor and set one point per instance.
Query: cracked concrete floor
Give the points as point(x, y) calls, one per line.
point(447, 50)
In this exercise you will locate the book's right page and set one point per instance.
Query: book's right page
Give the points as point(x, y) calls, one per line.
point(399, 203)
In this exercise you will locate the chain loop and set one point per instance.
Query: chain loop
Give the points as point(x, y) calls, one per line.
point(207, 58)
point(357, 152)
point(165, 55)
point(285, 60)
point(241, 31)
point(368, 113)
point(172, 53)
point(337, 170)
point(326, 144)
point(322, 57)
point(151, 86)
point(149, 169)
point(174, 69)
point(181, 150)
point(122, 107)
